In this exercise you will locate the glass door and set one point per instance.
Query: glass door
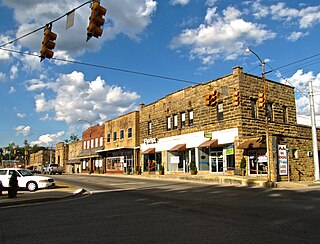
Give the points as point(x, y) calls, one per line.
point(216, 158)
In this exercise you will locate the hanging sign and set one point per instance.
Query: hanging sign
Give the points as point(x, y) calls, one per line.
point(282, 160)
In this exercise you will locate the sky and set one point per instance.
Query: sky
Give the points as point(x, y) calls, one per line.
point(148, 49)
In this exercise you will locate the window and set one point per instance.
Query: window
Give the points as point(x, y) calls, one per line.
point(168, 123)
point(129, 132)
point(253, 108)
point(114, 136)
point(92, 143)
point(175, 121)
point(96, 142)
point(270, 111)
point(121, 134)
point(190, 117)
point(295, 153)
point(220, 111)
point(101, 141)
point(183, 119)
point(149, 128)
point(108, 137)
point(84, 144)
point(285, 114)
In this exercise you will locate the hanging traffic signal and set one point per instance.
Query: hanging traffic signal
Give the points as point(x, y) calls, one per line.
point(48, 43)
point(96, 20)
point(236, 98)
point(212, 99)
point(261, 100)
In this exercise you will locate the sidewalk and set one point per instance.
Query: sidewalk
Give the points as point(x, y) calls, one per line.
point(42, 195)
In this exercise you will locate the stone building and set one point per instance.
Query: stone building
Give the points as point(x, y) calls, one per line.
point(92, 141)
point(217, 124)
point(121, 146)
point(40, 158)
point(73, 162)
point(61, 154)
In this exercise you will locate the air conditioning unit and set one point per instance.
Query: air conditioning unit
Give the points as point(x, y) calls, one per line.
point(310, 154)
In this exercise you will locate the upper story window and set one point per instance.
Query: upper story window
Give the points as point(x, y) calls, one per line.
point(96, 142)
point(220, 111)
point(92, 143)
point(129, 132)
point(175, 121)
point(149, 128)
point(168, 123)
point(121, 134)
point(84, 144)
point(270, 111)
point(101, 141)
point(253, 108)
point(108, 137)
point(285, 114)
point(190, 117)
point(114, 136)
point(183, 119)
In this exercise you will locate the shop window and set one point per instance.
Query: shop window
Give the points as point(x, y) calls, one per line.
point(121, 134)
point(270, 111)
point(253, 108)
point(175, 121)
point(183, 119)
point(220, 111)
point(114, 136)
point(204, 159)
point(295, 153)
point(190, 117)
point(149, 128)
point(285, 114)
point(168, 123)
point(129, 132)
point(108, 137)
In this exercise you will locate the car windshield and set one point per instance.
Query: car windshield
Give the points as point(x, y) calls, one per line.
point(24, 172)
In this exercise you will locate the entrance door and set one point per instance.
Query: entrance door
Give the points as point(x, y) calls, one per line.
point(216, 161)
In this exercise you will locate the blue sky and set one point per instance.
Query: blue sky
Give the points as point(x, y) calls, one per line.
point(187, 41)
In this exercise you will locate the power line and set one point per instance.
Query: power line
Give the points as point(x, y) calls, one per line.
point(106, 67)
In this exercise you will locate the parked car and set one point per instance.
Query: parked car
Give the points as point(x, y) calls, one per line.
point(52, 169)
point(26, 179)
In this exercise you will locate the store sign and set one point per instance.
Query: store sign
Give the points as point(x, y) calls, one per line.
point(150, 141)
point(174, 160)
point(282, 160)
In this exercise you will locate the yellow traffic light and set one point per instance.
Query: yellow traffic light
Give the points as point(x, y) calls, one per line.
point(96, 20)
point(236, 98)
point(48, 43)
point(261, 100)
point(212, 99)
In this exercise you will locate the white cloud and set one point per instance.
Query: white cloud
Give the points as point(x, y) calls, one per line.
point(13, 72)
point(221, 36)
point(181, 2)
point(23, 130)
point(12, 90)
point(296, 35)
point(74, 97)
point(211, 3)
point(2, 76)
point(48, 139)
point(21, 115)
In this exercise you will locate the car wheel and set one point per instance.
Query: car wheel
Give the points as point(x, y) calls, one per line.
point(32, 186)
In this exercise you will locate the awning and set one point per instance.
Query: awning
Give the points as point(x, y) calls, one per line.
point(209, 143)
point(253, 143)
point(179, 147)
point(149, 151)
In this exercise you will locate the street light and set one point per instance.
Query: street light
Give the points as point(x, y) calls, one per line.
point(265, 107)
point(84, 120)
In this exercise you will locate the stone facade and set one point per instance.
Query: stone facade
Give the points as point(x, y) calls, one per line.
point(73, 163)
point(38, 159)
point(61, 155)
point(183, 118)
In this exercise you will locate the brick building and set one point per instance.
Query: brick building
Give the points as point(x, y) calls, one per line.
point(92, 141)
point(121, 146)
point(181, 128)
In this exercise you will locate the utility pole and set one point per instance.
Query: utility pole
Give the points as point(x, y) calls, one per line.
point(314, 133)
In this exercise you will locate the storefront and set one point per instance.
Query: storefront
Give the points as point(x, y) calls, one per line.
point(211, 152)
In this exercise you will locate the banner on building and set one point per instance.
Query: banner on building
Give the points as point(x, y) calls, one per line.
point(282, 160)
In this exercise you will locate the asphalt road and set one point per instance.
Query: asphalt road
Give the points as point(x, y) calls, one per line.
point(128, 210)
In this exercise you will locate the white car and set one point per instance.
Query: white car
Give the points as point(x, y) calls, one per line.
point(26, 179)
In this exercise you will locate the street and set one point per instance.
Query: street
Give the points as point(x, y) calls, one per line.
point(131, 210)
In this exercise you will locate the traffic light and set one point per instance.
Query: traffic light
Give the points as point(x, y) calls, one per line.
point(48, 43)
point(96, 20)
point(261, 100)
point(236, 98)
point(212, 99)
